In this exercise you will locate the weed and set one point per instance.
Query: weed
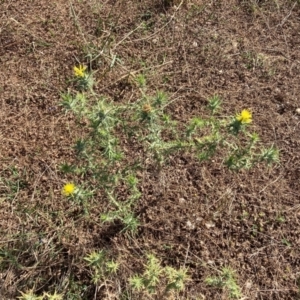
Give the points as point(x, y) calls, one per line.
point(69, 189)
point(120, 143)
point(83, 79)
point(101, 266)
point(214, 103)
point(153, 277)
point(29, 295)
point(8, 257)
point(13, 181)
point(226, 280)
point(280, 219)
point(286, 242)
point(145, 123)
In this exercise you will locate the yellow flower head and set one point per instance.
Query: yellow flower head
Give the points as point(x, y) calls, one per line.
point(79, 71)
point(244, 117)
point(68, 189)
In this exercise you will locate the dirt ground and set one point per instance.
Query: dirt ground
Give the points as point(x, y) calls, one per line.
point(198, 215)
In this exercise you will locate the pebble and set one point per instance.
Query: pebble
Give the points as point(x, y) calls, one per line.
point(182, 201)
point(190, 225)
point(209, 225)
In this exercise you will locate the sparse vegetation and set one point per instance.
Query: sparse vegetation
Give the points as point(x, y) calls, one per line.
point(226, 280)
point(143, 143)
point(158, 280)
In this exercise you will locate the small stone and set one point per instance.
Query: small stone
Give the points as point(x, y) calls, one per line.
point(43, 241)
point(298, 111)
point(235, 46)
point(182, 201)
point(209, 225)
point(195, 44)
point(248, 284)
point(190, 225)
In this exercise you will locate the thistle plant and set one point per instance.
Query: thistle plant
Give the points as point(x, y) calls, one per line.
point(102, 267)
point(154, 276)
point(144, 124)
point(69, 189)
point(240, 121)
point(214, 103)
point(156, 125)
point(270, 155)
point(176, 278)
point(232, 137)
point(226, 280)
point(54, 296)
point(123, 210)
point(76, 103)
point(83, 79)
point(251, 154)
point(77, 195)
point(29, 295)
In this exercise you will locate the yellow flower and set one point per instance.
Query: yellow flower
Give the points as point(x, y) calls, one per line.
point(244, 117)
point(79, 71)
point(68, 189)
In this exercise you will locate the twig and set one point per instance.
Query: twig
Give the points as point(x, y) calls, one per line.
point(160, 29)
point(288, 15)
point(270, 183)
